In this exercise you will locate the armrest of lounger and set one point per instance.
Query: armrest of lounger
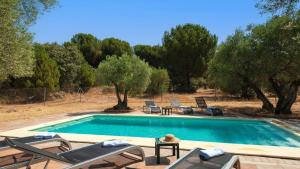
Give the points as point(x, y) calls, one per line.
point(34, 151)
point(234, 162)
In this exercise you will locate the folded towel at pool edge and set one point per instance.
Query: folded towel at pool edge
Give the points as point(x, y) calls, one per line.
point(115, 143)
point(45, 135)
point(210, 153)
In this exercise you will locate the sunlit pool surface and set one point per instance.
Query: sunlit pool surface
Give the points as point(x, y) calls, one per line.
point(253, 132)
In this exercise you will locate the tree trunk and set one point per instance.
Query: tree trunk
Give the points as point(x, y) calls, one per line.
point(267, 105)
point(125, 100)
point(285, 102)
point(246, 93)
point(118, 94)
point(122, 105)
point(188, 87)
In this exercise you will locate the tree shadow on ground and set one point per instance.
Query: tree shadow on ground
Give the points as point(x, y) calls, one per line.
point(84, 113)
point(92, 113)
point(246, 111)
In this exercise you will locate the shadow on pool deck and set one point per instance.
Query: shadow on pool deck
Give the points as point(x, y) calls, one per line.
point(247, 162)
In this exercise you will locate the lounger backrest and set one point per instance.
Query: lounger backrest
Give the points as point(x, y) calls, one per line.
point(33, 150)
point(31, 140)
point(149, 103)
point(201, 102)
point(175, 103)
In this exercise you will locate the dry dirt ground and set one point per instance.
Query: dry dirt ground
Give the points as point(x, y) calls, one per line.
point(96, 100)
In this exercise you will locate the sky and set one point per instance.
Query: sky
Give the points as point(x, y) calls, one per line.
point(142, 21)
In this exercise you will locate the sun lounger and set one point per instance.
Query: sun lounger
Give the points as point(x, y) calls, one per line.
point(32, 140)
point(214, 111)
point(193, 161)
point(151, 107)
point(93, 156)
point(11, 158)
point(177, 105)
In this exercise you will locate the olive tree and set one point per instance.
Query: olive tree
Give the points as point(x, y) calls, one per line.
point(276, 45)
point(234, 66)
point(128, 74)
point(16, 51)
point(265, 59)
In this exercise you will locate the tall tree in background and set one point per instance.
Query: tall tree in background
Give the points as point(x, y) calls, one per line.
point(16, 52)
point(188, 49)
point(113, 46)
point(151, 54)
point(90, 48)
point(286, 7)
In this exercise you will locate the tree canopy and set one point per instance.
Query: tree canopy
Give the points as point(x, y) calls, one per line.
point(277, 45)
point(151, 54)
point(90, 48)
point(231, 63)
point(128, 74)
point(68, 58)
point(29, 10)
point(113, 46)
point(188, 49)
point(277, 6)
point(16, 51)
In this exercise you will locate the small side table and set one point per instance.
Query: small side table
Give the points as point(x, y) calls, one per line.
point(158, 144)
point(166, 110)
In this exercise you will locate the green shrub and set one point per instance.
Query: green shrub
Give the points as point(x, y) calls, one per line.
point(46, 70)
point(160, 81)
point(86, 76)
point(69, 60)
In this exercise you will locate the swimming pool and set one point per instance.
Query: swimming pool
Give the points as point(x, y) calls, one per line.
point(253, 132)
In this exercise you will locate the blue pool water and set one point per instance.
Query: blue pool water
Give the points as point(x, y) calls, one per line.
point(197, 129)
